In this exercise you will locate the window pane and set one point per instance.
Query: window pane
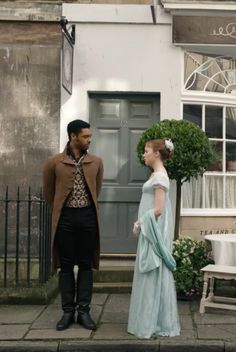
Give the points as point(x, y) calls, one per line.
point(214, 191)
point(209, 73)
point(230, 123)
point(210, 67)
point(192, 193)
point(225, 63)
point(230, 194)
point(191, 63)
point(230, 76)
point(231, 156)
point(197, 82)
point(213, 86)
point(213, 121)
point(218, 166)
point(193, 113)
point(221, 79)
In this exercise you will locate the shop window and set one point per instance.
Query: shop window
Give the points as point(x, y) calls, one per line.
point(216, 189)
point(209, 101)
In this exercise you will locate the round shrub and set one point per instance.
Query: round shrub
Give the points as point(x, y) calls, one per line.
point(193, 152)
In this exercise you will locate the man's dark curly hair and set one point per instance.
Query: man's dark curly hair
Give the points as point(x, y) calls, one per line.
point(76, 126)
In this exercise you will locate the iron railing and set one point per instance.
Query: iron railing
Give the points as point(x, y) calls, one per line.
point(25, 239)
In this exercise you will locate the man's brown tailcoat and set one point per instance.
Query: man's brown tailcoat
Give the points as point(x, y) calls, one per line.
point(58, 181)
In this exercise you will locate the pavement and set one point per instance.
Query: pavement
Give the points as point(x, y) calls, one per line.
point(32, 328)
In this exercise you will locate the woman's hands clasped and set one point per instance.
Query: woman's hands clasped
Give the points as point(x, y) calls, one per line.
point(136, 228)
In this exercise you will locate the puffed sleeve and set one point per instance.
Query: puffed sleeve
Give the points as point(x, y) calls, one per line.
point(160, 180)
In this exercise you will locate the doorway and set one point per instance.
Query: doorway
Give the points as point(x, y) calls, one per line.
point(117, 121)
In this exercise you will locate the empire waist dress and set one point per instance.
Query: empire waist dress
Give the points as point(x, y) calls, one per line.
point(153, 306)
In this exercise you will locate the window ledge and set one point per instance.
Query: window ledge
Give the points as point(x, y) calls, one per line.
point(207, 97)
point(208, 212)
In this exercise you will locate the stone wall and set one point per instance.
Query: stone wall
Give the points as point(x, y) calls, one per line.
point(29, 100)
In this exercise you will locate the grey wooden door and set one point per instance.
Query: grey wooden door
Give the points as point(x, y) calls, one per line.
point(118, 121)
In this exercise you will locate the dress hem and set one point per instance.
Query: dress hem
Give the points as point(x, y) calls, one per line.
point(156, 335)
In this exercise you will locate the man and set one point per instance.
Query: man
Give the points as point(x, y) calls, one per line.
point(71, 184)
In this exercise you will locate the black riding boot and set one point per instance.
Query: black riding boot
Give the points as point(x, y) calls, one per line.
point(67, 290)
point(84, 296)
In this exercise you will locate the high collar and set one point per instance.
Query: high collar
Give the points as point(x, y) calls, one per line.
point(71, 154)
point(66, 159)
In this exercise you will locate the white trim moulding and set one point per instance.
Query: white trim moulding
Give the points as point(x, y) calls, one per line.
point(199, 6)
point(115, 13)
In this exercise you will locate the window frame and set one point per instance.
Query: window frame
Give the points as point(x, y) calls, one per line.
point(208, 99)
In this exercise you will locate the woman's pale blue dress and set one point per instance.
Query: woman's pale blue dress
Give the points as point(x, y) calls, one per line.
point(153, 306)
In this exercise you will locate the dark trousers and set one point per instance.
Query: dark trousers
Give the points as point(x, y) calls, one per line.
point(76, 238)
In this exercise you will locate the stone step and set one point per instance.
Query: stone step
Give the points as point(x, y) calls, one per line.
point(114, 274)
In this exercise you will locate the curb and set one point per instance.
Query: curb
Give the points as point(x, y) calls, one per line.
point(118, 346)
point(27, 346)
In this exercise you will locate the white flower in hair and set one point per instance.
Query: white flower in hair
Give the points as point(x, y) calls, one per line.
point(169, 145)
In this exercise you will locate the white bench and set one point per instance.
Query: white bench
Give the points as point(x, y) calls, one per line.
point(212, 272)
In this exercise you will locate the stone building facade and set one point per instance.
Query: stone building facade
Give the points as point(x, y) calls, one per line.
point(134, 63)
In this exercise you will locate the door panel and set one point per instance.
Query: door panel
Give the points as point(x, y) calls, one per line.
point(107, 144)
point(117, 121)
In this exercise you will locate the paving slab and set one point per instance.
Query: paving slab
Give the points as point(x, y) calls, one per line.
point(13, 331)
point(118, 303)
point(74, 332)
point(17, 314)
point(114, 317)
point(116, 309)
point(186, 322)
point(49, 318)
point(215, 318)
point(99, 298)
point(217, 332)
point(112, 331)
point(183, 307)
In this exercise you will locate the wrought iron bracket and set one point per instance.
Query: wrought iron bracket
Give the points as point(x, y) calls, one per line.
point(153, 7)
point(70, 31)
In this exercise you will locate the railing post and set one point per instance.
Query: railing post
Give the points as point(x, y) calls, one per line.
point(29, 237)
point(44, 244)
point(17, 235)
point(40, 236)
point(6, 238)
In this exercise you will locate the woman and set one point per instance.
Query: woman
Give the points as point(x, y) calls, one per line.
point(153, 307)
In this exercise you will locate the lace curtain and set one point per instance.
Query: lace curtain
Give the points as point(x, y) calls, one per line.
point(192, 192)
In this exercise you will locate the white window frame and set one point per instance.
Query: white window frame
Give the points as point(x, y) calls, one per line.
point(203, 99)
